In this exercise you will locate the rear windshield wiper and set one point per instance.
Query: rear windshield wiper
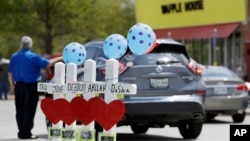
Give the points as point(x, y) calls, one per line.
point(162, 62)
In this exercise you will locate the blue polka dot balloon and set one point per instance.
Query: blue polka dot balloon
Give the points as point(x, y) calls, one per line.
point(74, 53)
point(141, 38)
point(115, 46)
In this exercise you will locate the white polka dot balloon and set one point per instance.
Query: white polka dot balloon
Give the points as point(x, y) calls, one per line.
point(141, 38)
point(74, 53)
point(115, 46)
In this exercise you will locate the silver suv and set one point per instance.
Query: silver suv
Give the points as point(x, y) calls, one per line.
point(170, 90)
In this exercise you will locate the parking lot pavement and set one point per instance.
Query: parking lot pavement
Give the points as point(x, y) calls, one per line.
point(8, 127)
point(248, 110)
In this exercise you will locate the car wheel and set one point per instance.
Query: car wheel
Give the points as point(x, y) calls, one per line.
point(210, 116)
point(139, 129)
point(239, 117)
point(190, 130)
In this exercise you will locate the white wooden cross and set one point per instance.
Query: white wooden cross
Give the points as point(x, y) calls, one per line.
point(89, 87)
point(56, 87)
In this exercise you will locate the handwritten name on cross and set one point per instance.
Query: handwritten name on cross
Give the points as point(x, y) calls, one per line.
point(85, 87)
point(90, 87)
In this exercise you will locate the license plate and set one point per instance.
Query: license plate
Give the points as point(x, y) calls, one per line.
point(220, 90)
point(159, 83)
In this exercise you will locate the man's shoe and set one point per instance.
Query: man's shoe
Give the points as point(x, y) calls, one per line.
point(30, 137)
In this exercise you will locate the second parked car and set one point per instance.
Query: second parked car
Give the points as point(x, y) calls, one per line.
point(226, 93)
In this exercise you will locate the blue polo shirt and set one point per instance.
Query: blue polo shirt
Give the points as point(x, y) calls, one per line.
point(25, 66)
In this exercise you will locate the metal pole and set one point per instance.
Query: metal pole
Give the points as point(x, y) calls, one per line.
point(201, 51)
point(225, 53)
point(214, 47)
point(209, 48)
point(233, 59)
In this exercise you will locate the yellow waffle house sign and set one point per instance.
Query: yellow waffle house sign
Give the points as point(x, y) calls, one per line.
point(183, 13)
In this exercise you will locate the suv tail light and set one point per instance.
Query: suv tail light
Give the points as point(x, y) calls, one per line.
point(242, 87)
point(102, 70)
point(195, 69)
point(201, 92)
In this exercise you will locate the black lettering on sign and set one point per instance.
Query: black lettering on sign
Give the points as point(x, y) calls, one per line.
point(70, 87)
point(118, 89)
point(42, 87)
point(194, 5)
point(97, 88)
point(171, 8)
point(57, 89)
point(76, 87)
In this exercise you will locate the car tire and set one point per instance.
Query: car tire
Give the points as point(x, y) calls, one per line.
point(239, 117)
point(210, 116)
point(190, 130)
point(139, 129)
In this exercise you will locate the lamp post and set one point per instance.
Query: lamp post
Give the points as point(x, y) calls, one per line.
point(214, 45)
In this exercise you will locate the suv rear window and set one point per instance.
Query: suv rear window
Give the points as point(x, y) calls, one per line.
point(171, 48)
point(164, 54)
point(168, 58)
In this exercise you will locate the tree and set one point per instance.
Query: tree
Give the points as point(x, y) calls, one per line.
point(53, 22)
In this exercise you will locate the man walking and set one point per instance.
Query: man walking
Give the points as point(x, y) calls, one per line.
point(24, 73)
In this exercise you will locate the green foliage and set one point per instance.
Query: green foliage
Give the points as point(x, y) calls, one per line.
point(54, 23)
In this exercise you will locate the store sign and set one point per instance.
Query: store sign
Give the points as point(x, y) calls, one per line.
point(162, 14)
point(181, 7)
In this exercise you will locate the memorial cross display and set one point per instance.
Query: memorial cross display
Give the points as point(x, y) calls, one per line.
point(88, 88)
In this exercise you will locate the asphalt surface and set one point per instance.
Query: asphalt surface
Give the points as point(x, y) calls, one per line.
point(8, 127)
